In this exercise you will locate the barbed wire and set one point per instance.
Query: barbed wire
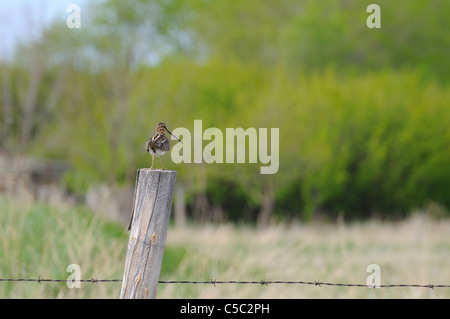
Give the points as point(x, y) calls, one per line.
point(40, 280)
point(222, 282)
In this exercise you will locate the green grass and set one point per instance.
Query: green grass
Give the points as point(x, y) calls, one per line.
point(40, 239)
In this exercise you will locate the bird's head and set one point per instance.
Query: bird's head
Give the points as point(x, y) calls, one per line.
point(162, 128)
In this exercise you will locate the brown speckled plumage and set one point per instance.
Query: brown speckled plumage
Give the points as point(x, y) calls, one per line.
point(159, 144)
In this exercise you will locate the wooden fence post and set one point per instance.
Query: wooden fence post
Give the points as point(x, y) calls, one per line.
point(149, 222)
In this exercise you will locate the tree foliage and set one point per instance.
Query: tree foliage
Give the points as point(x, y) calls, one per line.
point(363, 114)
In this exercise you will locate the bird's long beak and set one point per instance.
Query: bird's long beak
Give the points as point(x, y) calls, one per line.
point(174, 136)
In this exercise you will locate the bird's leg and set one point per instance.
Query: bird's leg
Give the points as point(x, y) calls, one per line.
point(160, 159)
point(153, 159)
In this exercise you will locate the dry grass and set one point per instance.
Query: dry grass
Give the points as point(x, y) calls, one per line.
point(39, 239)
point(415, 251)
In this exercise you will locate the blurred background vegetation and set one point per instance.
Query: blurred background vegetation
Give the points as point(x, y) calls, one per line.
point(363, 113)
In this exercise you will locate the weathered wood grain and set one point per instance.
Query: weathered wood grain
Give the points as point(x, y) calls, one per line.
point(148, 231)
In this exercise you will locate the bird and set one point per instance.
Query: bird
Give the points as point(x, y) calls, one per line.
point(159, 144)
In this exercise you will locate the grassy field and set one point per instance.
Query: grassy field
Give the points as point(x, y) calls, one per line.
point(38, 239)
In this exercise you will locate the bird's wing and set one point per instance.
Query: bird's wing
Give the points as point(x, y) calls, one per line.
point(160, 142)
point(148, 145)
